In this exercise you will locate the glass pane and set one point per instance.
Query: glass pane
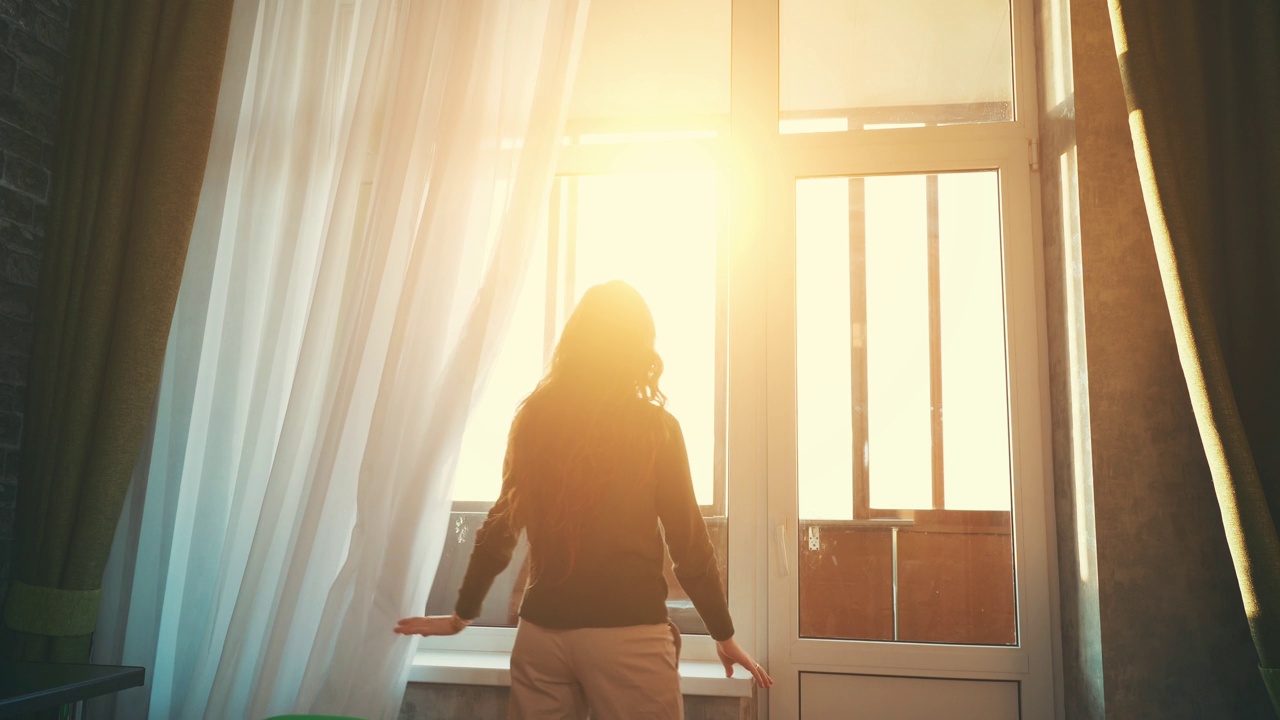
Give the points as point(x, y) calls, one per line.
point(657, 232)
point(847, 64)
point(897, 287)
point(905, 528)
point(516, 370)
point(653, 59)
point(975, 436)
point(502, 605)
point(822, 363)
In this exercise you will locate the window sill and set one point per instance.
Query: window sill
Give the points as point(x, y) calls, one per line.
point(461, 667)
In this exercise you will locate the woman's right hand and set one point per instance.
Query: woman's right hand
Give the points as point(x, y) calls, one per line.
point(431, 625)
point(731, 653)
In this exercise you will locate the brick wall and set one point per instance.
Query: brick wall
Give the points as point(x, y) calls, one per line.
point(33, 45)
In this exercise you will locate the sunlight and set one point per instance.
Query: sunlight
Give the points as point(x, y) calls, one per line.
point(654, 59)
point(1077, 354)
point(659, 232)
point(893, 126)
point(646, 137)
point(656, 231)
point(898, 344)
point(795, 126)
point(516, 370)
point(823, 341)
point(1060, 85)
point(893, 233)
point(974, 396)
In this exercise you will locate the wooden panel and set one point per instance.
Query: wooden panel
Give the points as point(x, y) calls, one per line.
point(846, 585)
point(956, 588)
point(869, 697)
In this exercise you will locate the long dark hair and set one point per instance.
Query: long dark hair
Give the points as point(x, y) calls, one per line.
point(590, 420)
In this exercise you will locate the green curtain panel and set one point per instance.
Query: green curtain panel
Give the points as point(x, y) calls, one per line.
point(1203, 85)
point(136, 121)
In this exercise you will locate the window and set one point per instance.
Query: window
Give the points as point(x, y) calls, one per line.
point(827, 205)
point(640, 199)
point(662, 233)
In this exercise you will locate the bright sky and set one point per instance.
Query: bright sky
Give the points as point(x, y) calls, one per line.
point(658, 232)
point(975, 425)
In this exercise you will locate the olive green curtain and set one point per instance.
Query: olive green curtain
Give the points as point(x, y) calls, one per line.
point(1203, 85)
point(135, 126)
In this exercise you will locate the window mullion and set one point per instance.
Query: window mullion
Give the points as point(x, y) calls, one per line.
point(720, 456)
point(755, 214)
point(935, 339)
point(858, 347)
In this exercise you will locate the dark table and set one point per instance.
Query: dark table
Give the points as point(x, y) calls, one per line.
point(28, 687)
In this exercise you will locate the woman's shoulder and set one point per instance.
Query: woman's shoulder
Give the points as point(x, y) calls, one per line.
point(650, 418)
point(661, 419)
point(665, 417)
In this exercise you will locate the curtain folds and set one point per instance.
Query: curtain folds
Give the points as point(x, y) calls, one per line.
point(136, 119)
point(1203, 85)
point(355, 264)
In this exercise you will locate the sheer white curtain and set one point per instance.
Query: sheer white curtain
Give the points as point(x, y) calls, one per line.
point(380, 168)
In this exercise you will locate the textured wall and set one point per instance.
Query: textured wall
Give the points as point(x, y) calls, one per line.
point(1152, 620)
point(1068, 372)
point(33, 44)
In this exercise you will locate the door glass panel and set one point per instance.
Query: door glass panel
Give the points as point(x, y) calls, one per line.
point(902, 410)
point(849, 64)
point(975, 440)
point(897, 322)
point(659, 232)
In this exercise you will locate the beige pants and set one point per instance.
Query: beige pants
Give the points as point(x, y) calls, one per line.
point(621, 673)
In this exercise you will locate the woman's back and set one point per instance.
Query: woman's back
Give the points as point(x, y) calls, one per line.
point(595, 488)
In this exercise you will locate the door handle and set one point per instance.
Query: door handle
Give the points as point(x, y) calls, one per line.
point(780, 536)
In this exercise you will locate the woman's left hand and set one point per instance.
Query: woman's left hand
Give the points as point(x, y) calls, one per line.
point(429, 625)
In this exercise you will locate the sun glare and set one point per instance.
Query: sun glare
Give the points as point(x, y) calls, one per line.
point(656, 231)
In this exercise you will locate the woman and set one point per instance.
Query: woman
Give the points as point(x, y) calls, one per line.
point(597, 475)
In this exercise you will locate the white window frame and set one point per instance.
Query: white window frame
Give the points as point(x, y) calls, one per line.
point(600, 159)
